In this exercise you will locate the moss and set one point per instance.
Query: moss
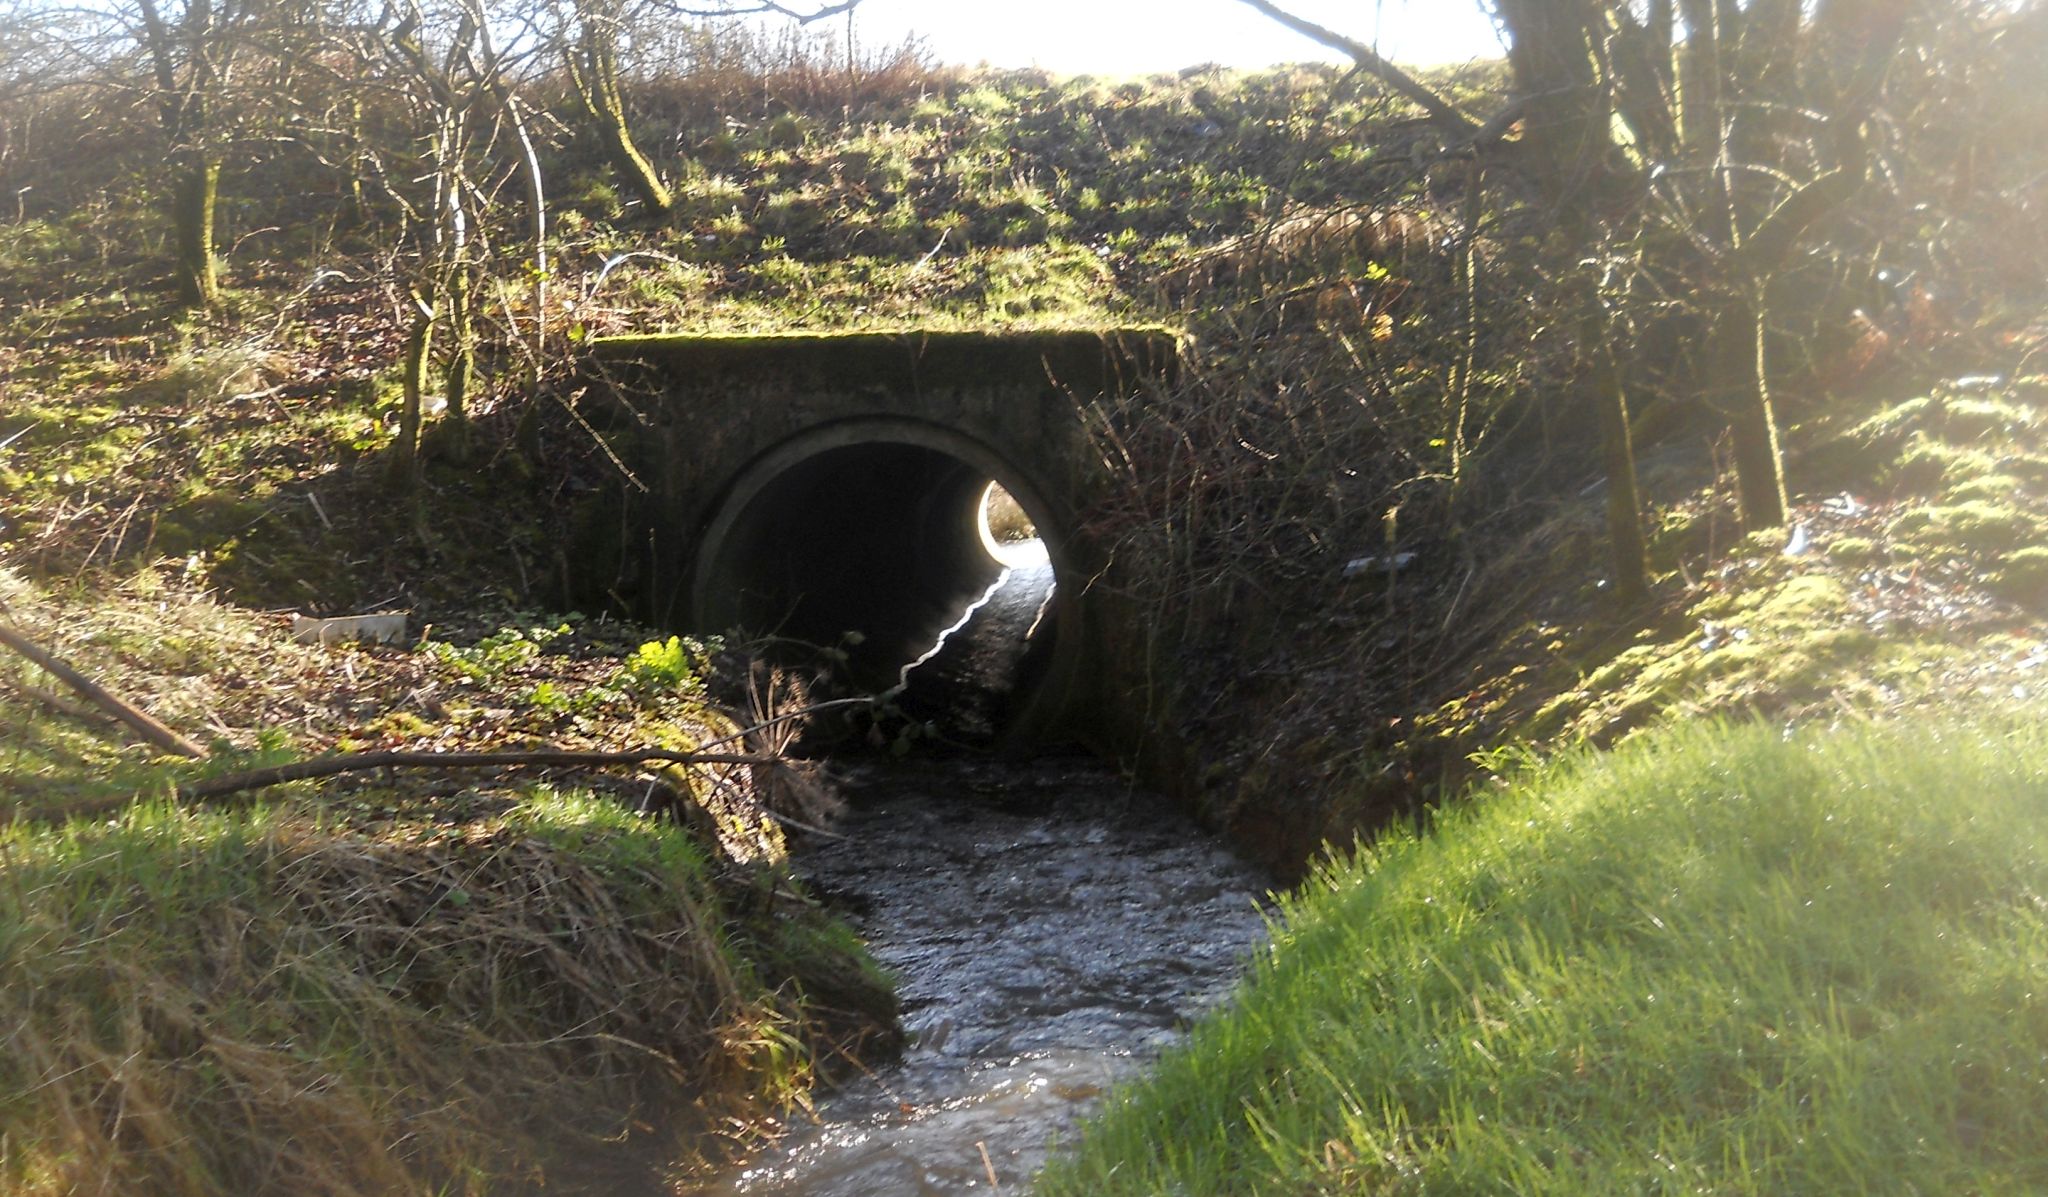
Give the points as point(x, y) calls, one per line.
point(1979, 419)
point(1853, 550)
point(1976, 528)
point(1099, 359)
point(1775, 641)
point(2022, 577)
point(1990, 488)
point(1927, 465)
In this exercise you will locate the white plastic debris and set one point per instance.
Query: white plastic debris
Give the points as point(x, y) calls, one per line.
point(1384, 565)
point(384, 628)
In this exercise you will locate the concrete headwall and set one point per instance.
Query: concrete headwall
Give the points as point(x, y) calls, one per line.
point(810, 484)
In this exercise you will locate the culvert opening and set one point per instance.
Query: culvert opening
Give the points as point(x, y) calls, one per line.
point(1007, 530)
point(916, 573)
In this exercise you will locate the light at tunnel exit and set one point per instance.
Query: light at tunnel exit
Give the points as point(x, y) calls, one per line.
point(1007, 532)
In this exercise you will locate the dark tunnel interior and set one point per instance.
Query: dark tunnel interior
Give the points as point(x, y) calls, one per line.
point(883, 539)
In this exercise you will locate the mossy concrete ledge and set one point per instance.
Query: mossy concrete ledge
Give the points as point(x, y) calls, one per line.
point(1082, 360)
point(813, 484)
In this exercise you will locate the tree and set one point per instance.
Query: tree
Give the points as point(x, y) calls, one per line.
point(29, 71)
point(457, 85)
point(589, 36)
point(210, 70)
point(1755, 221)
point(1702, 139)
point(1567, 150)
point(193, 53)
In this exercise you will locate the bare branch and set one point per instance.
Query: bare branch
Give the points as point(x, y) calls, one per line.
point(1440, 110)
point(141, 721)
point(752, 8)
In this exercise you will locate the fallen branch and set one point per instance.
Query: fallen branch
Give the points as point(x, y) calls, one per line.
point(142, 723)
point(357, 762)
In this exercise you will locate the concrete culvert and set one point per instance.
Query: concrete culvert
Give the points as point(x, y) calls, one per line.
point(903, 548)
point(808, 485)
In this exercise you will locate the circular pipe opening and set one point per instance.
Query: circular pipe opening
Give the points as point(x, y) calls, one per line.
point(909, 556)
point(1008, 532)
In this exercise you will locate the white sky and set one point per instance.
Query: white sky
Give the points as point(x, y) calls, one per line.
point(1131, 37)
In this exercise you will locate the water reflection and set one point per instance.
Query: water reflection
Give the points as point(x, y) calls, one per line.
point(965, 680)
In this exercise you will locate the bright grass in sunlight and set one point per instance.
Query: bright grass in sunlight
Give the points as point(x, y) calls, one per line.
point(1720, 960)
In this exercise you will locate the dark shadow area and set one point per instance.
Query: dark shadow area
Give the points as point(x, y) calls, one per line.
point(878, 552)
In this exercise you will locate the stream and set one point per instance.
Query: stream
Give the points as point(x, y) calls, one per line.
point(1051, 929)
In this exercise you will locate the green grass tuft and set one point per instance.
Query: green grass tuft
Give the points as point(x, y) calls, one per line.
point(266, 1000)
point(1718, 959)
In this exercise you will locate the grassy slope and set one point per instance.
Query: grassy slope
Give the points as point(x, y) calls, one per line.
point(383, 984)
point(1803, 956)
point(1719, 959)
point(282, 1000)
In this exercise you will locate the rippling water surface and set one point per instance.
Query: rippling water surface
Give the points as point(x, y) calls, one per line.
point(1051, 929)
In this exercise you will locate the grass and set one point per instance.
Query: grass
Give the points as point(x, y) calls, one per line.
point(277, 1001)
point(1718, 959)
point(402, 984)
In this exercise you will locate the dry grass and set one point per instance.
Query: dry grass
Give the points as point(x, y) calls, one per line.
point(399, 984)
point(204, 1004)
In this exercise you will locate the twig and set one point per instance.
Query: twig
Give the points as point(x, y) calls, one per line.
point(800, 825)
point(787, 716)
point(54, 701)
point(930, 254)
point(143, 725)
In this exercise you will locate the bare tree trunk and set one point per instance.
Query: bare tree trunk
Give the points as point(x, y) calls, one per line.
point(626, 156)
point(461, 361)
point(193, 200)
point(1557, 53)
point(1627, 553)
point(1737, 382)
point(594, 69)
point(1699, 82)
point(1736, 362)
point(405, 460)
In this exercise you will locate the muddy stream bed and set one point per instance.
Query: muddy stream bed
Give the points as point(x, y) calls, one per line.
point(1050, 929)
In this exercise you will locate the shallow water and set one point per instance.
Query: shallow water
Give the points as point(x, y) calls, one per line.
point(1051, 930)
point(964, 683)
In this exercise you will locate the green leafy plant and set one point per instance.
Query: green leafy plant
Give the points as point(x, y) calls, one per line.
point(677, 663)
point(497, 654)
